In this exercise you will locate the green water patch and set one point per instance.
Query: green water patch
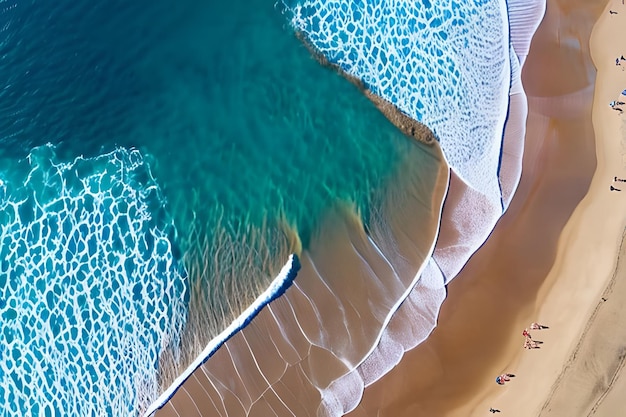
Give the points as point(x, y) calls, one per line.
point(250, 128)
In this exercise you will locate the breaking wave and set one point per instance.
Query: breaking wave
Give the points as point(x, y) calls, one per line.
point(91, 288)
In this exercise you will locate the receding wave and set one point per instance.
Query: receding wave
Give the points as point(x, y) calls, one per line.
point(91, 291)
point(444, 64)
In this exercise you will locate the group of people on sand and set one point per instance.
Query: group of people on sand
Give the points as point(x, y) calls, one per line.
point(529, 343)
point(501, 379)
point(615, 179)
point(615, 104)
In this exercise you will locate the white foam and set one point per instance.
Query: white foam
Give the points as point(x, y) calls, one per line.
point(275, 289)
point(100, 303)
point(457, 86)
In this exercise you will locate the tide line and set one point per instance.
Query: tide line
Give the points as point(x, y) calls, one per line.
point(279, 285)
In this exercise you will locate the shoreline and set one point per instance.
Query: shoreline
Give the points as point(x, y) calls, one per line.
point(277, 287)
point(480, 323)
point(299, 334)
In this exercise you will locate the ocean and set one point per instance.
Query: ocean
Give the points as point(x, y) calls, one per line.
point(160, 162)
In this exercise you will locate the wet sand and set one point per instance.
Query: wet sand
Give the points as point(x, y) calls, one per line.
point(298, 356)
point(498, 292)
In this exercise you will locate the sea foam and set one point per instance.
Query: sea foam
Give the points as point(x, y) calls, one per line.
point(416, 317)
point(90, 290)
point(442, 63)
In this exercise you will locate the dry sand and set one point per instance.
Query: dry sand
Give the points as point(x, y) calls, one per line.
point(584, 297)
point(538, 265)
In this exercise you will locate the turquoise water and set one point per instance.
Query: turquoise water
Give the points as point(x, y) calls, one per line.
point(189, 115)
point(89, 290)
point(443, 63)
point(223, 96)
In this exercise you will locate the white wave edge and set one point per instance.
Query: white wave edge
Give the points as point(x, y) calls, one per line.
point(275, 288)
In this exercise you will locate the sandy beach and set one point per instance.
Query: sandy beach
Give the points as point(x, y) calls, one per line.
point(584, 295)
point(550, 258)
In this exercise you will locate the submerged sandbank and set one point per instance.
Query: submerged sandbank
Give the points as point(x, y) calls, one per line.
point(300, 352)
point(491, 300)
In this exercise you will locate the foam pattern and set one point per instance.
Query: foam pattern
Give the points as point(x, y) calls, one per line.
point(417, 315)
point(443, 63)
point(90, 289)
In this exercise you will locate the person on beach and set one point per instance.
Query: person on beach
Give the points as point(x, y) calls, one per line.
point(537, 326)
point(526, 334)
point(612, 12)
point(615, 189)
point(530, 344)
point(619, 179)
point(493, 410)
point(501, 379)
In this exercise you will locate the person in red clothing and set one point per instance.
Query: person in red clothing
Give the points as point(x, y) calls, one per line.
point(501, 379)
point(530, 344)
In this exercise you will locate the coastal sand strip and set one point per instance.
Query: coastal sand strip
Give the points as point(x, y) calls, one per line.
point(595, 366)
point(581, 358)
point(300, 351)
point(493, 298)
point(598, 359)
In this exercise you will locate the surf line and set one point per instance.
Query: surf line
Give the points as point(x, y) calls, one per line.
point(277, 288)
